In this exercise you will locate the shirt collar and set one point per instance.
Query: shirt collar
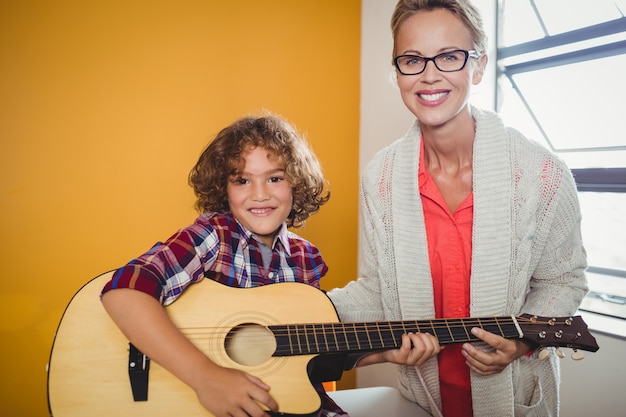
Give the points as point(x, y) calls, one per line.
point(282, 236)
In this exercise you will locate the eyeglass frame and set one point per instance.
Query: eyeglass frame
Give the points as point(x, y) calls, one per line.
point(471, 53)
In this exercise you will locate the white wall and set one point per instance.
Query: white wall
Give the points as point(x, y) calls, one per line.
point(593, 386)
point(383, 115)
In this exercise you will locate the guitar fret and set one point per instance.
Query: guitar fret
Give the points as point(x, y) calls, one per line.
point(499, 327)
point(488, 326)
point(351, 340)
point(380, 336)
point(307, 338)
point(290, 339)
point(397, 330)
point(467, 333)
point(458, 330)
point(495, 325)
point(319, 337)
point(334, 327)
point(325, 338)
point(356, 336)
point(362, 336)
point(449, 330)
point(295, 340)
point(312, 345)
point(298, 342)
point(428, 328)
point(510, 329)
point(367, 334)
point(385, 334)
point(283, 340)
point(345, 337)
point(442, 333)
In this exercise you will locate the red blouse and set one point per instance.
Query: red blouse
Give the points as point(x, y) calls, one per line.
point(450, 253)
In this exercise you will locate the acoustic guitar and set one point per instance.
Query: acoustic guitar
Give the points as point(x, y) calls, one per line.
point(271, 332)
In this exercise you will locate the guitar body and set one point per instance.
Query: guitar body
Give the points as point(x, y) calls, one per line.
point(89, 362)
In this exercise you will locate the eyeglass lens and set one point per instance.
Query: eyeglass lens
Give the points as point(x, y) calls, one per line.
point(447, 61)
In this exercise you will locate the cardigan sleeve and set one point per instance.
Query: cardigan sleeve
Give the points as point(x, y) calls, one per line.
point(558, 283)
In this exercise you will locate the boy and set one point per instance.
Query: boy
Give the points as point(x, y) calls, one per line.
point(256, 179)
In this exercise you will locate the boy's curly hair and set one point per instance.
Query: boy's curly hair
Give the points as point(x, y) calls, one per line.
point(222, 159)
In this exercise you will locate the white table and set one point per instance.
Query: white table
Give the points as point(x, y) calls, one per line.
point(376, 402)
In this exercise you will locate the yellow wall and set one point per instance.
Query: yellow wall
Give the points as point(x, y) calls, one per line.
point(104, 108)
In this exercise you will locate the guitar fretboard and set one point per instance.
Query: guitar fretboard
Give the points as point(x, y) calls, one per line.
point(300, 339)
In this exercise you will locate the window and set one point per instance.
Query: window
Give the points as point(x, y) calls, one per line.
point(561, 82)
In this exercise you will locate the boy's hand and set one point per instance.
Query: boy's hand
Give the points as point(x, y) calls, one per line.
point(489, 363)
point(225, 392)
point(229, 392)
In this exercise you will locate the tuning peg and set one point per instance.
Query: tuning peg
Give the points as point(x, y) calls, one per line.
point(543, 354)
point(578, 355)
point(560, 353)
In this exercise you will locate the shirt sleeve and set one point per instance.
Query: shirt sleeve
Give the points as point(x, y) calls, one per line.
point(169, 267)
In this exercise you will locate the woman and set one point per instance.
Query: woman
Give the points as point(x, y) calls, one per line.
point(463, 217)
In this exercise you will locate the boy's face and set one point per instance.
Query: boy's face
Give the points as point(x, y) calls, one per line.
point(260, 198)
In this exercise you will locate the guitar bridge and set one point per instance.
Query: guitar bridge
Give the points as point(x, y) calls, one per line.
point(138, 370)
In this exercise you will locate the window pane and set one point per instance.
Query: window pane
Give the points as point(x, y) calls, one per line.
point(565, 15)
point(574, 106)
point(604, 237)
point(522, 23)
point(604, 228)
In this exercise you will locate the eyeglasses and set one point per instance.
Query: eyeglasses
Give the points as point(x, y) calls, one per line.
point(449, 61)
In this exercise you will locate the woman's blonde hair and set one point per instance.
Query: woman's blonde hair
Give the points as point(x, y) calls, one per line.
point(462, 9)
point(222, 160)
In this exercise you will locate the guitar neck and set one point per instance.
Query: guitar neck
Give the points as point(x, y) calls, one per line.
point(300, 339)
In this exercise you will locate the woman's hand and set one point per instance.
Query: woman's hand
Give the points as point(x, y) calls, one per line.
point(416, 349)
point(489, 363)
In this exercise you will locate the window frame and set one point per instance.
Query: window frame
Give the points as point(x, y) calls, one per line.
point(611, 180)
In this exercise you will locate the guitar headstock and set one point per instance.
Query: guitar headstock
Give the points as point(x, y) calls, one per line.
point(570, 332)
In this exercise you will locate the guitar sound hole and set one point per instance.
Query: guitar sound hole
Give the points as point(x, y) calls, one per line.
point(250, 344)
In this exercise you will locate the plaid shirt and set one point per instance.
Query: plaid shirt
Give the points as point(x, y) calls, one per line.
point(217, 246)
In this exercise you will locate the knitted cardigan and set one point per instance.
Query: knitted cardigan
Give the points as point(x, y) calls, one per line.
point(527, 257)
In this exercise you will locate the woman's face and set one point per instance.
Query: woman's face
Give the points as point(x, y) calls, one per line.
point(433, 96)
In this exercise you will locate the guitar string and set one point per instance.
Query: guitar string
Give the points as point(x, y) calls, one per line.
point(313, 330)
point(388, 325)
point(339, 343)
point(313, 338)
